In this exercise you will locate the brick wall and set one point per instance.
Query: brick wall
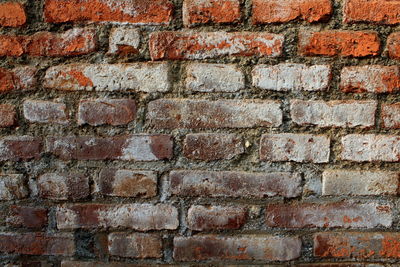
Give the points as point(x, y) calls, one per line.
point(199, 133)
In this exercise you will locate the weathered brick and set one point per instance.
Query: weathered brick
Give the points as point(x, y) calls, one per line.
point(348, 182)
point(244, 247)
point(21, 78)
point(273, 11)
point(140, 147)
point(67, 263)
point(63, 186)
point(390, 115)
point(20, 148)
point(139, 12)
point(370, 147)
point(37, 243)
point(235, 184)
point(339, 113)
point(214, 11)
point(212, 146)
point(124, 41)
point(202, 218)
point(375, 245)
point(393, 45)
point(12, 186)
point(73, 42)
point(126, 183)
point(143, 77)
point(197, 114)
point(370, 78)
point(202, 45)
point(294, 147)
point(329, 215)
point(7, 115)
point(27, 217)
point(12, 14)
point(375, 11)
point(136, 245)
point(339, 43)
point(341, 264)
point(45, 111)
point(289, 76)
point(206, 77)
point(141, 217)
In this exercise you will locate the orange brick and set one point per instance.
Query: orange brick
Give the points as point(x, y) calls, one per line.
point(12, 14)
point(375, 11)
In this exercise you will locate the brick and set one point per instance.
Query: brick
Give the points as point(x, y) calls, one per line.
point(12, 14)
point(370, 147)
point(370, 78)
point(202, 45)
point(7, 115)
point(17, 148)
point(212, 146)
point(12, 187)
point(63, 186)
point(206, 77)
point(45, 111)
point(339, 43)
point(339, 113)
point(140, 147)
point(390, 115)
point(292, 77)
point(136, 245)
point(73, 42)
point(126, 183)
point(21, 78)
point(347, 182)
point(294, 147)
point(244, 247)
point(343, 264)
point(67, 263)
point(142, 77)
point(329, 215)
point(384, 12)
point(393, 45)
point(27, 217)
point(210, 11)
point(141, 217)
point(37, 243)
point(234, 184)
point(197, 114)
point(124, 41)
point(358, 245)
point(139, 12)
point(114, 112)
point(276, 11)
point(201, 218)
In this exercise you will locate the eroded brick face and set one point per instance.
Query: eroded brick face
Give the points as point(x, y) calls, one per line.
point(12, 14)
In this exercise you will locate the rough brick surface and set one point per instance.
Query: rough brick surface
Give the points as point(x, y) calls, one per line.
point(7, 115)
point(135, 245)
point(21, 78)
point(124, 41)
point(20, 148)
point(12, 186)
point(27, 217)
point(12, 14)
point(45, 112)
point(390, 115)
point(375, 11)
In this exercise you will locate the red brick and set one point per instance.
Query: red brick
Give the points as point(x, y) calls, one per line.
point(235, 184)
point(212, 146)
point(197, 114)
point(339, 43)
point(45, 112)
point(295, 147)
point(202, 45)
point(124, 41)
point(245, 247)
point(214, 11)
point(390, 115)
point(329, 215)
point(7, 115)
point(27, 217)
point(140, 147)
point(374, 11)
point(37, 244)
point(202, 218)
point(129, 11)
point(136, 245)
point(393, 45)
point(21, 78)
point(20, 148)
point(342, 264)
point(272, 11)
point(63, 186)
point(115, 112)
point(67, 263)
point(12, 14)
point(126, 183)
point(141, 217)
point(12, 187)
point(70, 43)
point(383, 245)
